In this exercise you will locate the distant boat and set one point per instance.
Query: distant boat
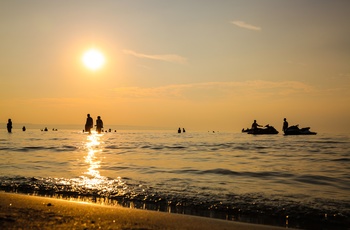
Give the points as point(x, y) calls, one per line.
point(295, 130)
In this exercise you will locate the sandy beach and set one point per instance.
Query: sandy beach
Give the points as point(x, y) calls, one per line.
point(19, 211)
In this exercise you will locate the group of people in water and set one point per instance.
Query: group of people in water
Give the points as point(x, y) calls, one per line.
point(99, 125)
point(90, 124)
point(183, 130)
point(9, 127)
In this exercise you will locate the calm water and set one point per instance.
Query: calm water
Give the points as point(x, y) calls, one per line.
point(292, 181)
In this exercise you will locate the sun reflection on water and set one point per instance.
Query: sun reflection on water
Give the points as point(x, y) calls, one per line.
point(92, 177)
point(91, 183)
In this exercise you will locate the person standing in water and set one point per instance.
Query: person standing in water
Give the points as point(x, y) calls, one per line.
point(99, 124)
point(9, 126)
point(89, 124)
point(285, 125)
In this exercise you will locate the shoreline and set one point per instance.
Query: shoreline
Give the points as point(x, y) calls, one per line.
point(33, 212)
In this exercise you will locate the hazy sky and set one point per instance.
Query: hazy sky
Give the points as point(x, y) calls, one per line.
point(198, 64)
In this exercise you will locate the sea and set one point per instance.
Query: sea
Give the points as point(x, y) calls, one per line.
point(289, 181)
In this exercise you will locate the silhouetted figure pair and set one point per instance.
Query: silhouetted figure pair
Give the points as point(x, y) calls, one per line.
point(179, 130)
point(9, 126)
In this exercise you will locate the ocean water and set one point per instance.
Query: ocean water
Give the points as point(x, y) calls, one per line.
point(290, 181)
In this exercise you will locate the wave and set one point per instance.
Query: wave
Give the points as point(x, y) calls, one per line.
point(341, 160)
point(62, 148)
point(221, 171)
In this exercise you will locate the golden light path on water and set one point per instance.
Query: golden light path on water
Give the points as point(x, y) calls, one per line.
point(93, 177)
point(90, 180)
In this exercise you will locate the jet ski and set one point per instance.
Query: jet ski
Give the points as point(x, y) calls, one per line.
point(295, 130)
point(267, 130)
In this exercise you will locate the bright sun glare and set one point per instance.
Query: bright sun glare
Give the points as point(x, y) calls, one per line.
point(93, 59)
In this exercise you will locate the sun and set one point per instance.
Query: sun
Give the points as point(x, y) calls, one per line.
point(93, 59)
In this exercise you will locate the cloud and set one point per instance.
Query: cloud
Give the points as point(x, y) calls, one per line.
point(244, 25)
point(344, 75)
point(218, 90)
point(164, 57)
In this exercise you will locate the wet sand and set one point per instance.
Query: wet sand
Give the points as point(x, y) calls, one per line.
point(19, 211)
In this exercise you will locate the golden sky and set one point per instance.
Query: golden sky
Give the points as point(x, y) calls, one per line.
point(199, 64)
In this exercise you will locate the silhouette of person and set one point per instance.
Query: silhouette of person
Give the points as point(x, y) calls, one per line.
point(179, 130)
point(183, 130)
point(23, 128)
point(9, 126)
point(89, 124)
point(99, 124)
point(255, 125)
point(285, 124)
